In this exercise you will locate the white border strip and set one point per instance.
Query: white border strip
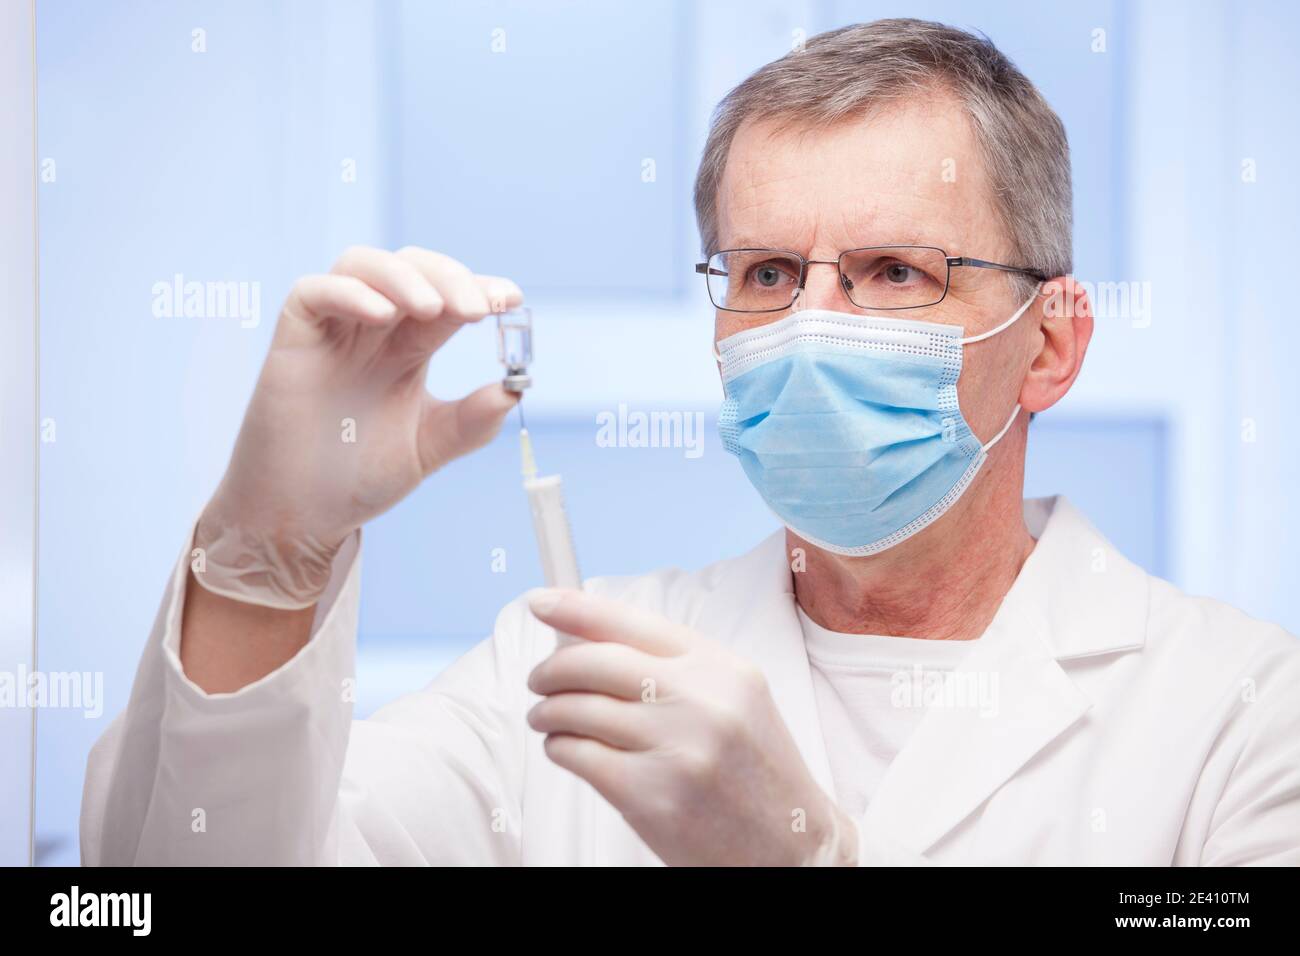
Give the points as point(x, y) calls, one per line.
point(19, 390)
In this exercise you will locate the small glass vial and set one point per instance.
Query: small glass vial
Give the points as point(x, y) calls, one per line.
point(515, 347)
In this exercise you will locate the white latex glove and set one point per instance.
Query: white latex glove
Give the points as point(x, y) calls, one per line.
point(340, 427)
point(682, 737)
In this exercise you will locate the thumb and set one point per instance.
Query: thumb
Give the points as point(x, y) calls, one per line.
point(449, 430)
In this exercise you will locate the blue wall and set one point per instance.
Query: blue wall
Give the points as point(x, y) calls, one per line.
point(530, 161)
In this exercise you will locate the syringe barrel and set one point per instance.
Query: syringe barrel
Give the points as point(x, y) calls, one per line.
point(554, 538)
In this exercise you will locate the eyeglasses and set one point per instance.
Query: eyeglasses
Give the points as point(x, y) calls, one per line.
point(875, 277)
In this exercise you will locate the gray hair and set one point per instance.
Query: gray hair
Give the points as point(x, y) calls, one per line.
point(844, 72)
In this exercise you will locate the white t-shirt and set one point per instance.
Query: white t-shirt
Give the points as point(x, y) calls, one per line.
point(866, 688)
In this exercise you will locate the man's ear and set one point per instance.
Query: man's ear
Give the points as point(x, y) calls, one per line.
point(1064, 315)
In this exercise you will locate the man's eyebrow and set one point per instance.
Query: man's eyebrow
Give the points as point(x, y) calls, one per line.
point(909, 238)
point(744, 242)
point(905, 239)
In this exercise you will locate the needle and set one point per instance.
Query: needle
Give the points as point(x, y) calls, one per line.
point(520, 405)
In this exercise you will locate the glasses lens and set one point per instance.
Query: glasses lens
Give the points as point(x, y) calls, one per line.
point(753, 280)
point(895, 277)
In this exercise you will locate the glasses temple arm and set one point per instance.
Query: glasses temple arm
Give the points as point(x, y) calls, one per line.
point(984, 264)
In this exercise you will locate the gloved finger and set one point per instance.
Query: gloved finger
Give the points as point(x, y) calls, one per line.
point(619, 723)
point(339, 297)
point(599, 668)
point(602, 619)
point(606, 768)
point(393, 277)
point(461, 293)
point(448, 430)
point(502, 294)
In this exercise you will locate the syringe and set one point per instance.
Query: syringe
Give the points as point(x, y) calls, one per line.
point(554, 544)
point(551, 525)
point(546, 494)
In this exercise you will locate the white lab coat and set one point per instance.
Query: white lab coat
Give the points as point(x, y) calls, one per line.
point(1134, 725)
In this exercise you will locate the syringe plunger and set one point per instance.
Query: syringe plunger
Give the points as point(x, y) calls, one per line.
point(551, 526)
point(554, 537)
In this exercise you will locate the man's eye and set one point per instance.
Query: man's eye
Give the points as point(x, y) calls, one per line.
point(898, 274)
point(767, 276)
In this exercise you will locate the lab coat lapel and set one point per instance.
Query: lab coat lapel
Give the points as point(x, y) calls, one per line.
point(765, 630)
point(1061, 607)
point(963, 750)
point(1075, 597)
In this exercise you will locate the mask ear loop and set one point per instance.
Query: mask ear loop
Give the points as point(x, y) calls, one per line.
point(1015, 412)
point(1005, 325)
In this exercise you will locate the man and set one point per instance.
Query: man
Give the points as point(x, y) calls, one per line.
point(920, 668)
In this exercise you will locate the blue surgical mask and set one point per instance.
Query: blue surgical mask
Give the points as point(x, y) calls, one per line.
point(849, 426)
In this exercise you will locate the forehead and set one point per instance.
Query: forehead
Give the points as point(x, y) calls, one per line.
point(909, 173)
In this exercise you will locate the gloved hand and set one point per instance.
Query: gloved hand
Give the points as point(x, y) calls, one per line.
point(682, 737)
point(340, 427)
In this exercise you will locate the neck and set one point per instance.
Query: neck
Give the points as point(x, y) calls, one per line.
point(945, 583)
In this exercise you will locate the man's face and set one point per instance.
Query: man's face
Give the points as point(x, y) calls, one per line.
point(908, 176)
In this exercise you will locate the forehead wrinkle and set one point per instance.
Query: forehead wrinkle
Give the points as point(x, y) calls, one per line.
point(898, 198)
point(755, 196)
point(864, 223)
point(764, 223)
point(756, 176)
point(757, 204)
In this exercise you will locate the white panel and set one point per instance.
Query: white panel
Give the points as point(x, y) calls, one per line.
point(1261, 441)
point(17, 419)
point(228, 168)
point(1177, 201)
